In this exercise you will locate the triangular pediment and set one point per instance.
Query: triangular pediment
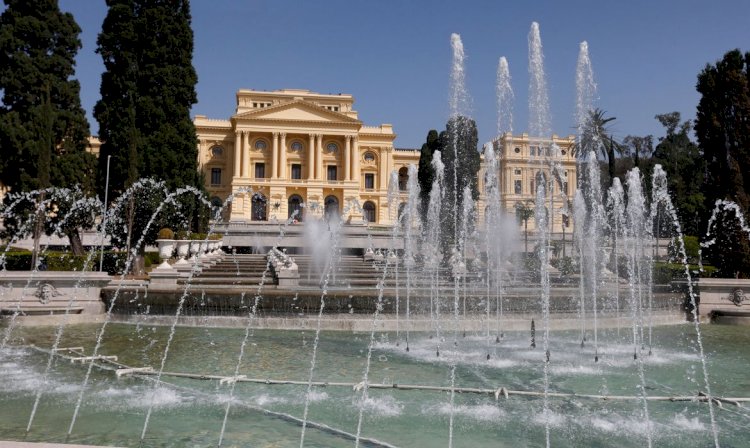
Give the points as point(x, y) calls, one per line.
point(298, 110)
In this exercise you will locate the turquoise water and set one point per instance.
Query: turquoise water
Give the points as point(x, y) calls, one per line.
point(189, 412)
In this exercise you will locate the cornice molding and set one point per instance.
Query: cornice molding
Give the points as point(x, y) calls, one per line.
point(338, 116)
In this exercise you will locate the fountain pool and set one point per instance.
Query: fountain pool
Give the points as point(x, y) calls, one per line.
point(189, 412)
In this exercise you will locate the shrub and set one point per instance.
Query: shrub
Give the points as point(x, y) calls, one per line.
point(566, 266)
point(166, 234)
point(113, 262)
point(151, 258)
point(692, 247)
point(666, 272)
point(182, 235)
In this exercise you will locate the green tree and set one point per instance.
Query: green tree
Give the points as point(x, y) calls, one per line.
point(425, 174)
point(639, 147)
point(462, 160)
point(723, 127)
point(684, 164)
point(597, 136)
point(148, 88)
point(723, 130)
point(43, 129)
point(42, 122)
point(116, 110)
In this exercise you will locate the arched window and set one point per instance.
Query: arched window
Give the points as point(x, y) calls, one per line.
point(259, 208)
point(368, 209)
point(331, 210)
point(294, 205)
point(403, 178)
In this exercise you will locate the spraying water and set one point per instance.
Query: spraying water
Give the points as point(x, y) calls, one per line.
point(539, 119)
point(539, 127)
point(505, 98)
point(637, 231)
point(410, 220)
point(585, 87)
point(660, 195)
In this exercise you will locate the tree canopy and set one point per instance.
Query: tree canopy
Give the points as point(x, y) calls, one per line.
point(723, 130)
point(462, 160)
point(148, 88)
point(683, 162)
point(723, 127)
point(425, 174)
point(43, 128)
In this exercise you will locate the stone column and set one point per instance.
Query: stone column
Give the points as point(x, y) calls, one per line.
point(383, 171)
point(275, 156)
point(348, 158)
point(282, 157)
point(237, 152)
point(355, 159)
point(246, 156)
point(311, 158)
point(319, 157)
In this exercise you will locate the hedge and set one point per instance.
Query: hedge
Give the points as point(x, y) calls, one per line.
point(114, 262)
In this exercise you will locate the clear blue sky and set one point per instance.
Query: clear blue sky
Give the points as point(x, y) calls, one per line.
point(394, 56)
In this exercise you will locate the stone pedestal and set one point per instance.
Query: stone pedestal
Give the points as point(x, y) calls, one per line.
point(163, 278)
point(51, 293)
point(288, 277)
point(724, 295)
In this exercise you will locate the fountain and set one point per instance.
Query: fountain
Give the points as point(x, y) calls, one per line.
point(239, 350)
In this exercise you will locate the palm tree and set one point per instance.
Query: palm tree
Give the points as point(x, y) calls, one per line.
point(597, 136)
point(524, 212)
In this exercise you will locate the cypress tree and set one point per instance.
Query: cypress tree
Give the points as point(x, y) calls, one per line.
point(425, 174)
point(459, 140)
point(147, 89)
point(43, 128)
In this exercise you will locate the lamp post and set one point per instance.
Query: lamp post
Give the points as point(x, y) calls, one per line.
point(104, 215)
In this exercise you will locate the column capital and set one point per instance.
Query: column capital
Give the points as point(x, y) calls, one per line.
point(275, 134)
point(282, 134)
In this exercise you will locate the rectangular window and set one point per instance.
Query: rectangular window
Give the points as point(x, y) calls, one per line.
point(332, 175)
point(215, 176)
point(296, 171)
point(565, 188)
point(518, 172)
point(532, 187)
point(260, 170)
point(369, 181)
point(517, 186)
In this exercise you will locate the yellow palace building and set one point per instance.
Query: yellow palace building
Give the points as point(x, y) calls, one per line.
point(295, 150)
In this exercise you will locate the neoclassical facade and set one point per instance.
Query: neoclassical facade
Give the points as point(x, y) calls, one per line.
point(291, 150)
point(523, 162)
